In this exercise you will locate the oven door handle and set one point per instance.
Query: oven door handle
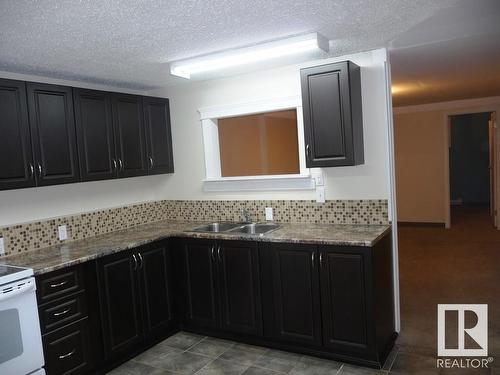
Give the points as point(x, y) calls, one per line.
point(26, 287)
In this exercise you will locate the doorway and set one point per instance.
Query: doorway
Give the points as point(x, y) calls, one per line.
point(471, 149)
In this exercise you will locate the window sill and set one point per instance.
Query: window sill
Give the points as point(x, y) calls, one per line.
point(260, 183)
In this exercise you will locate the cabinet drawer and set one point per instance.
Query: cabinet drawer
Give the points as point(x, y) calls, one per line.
point(62, 311)
point(58, 284)
point(67, 349)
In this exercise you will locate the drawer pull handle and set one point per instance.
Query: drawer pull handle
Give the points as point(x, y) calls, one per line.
point(62, 312)
point(67, 354)
point(58, 284)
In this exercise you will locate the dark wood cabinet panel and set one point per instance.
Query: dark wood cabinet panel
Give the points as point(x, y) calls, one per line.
point(333, 125)
point(200, 280)
point(16, 159)
point(157, 289)
point(94, 127)
point(158, 135)
point(239, 277)
point(128, 123)
point(119, 300)
point(67, 350)
point(295, 293)
point(345, 299)
point(53, 137)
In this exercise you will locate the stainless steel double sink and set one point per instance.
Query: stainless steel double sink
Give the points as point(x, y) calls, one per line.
point(237, 228)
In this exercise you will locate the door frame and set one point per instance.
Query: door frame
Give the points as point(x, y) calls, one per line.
point(447, 135)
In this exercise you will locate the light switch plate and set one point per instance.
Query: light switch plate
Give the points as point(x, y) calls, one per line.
point(2, 246)
point(319, 178)
point(320, 194)
point(63, 232)
point(269, 214)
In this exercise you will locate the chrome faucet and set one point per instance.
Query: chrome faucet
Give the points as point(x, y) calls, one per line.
point(245, 214)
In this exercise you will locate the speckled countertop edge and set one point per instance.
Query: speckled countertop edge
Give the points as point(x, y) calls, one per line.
point(64, 255)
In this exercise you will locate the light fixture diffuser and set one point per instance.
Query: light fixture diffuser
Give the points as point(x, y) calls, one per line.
point(252, 54)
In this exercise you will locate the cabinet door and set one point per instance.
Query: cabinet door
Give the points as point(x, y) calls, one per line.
point(296, 296)
point(120, 309)
point(16, 160)
point(156, 288)
point(345, 299)
point(239, 276)
point(94, 128)
point(67, 350)
point(128, 123)
point(200, 282)
point(158, 135)
point(52, 125)
point(333, 133)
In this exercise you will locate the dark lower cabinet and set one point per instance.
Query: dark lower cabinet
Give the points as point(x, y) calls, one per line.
point(157, 289)
point(222, 286)
point(64, 321)
point(200, 284)
point(16, 159)
point(136, 302)
point(52, 124)
point(239, 283)
point(346, 299)
point(293, 293)
point(67, 350)
point(330, 301)
point(120, 304)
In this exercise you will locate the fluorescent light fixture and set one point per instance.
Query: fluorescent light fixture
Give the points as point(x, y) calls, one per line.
point(247, 55)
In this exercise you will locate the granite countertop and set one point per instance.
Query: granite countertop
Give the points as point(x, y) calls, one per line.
point(64, 255)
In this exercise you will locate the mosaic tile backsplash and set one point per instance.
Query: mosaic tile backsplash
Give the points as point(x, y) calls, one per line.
point(30, 236)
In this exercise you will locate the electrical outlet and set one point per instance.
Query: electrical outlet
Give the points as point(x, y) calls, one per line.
point(2, 246)
point(269, 214)
point(317, 175)
point(63, 232)
point(320, 194)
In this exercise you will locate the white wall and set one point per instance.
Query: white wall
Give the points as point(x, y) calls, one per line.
point(368, 181)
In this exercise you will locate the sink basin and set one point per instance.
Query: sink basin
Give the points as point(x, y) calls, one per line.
point(216, 227)
point(259, 228)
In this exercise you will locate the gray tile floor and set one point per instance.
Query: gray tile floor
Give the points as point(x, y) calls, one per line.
point(186, 353)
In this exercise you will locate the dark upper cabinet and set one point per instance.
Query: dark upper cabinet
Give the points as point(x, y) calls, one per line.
point(16, 160)
point(157, 289)
point(53, 137)
point(158, 135)
point(345, 299)
point(120, 303)
point(94, 128)
point(200, 283)
point(128, 123)
point(239, 280)
point(293, 300)
point(333, 122)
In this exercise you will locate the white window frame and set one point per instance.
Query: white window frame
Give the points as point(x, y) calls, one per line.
point(213, 177)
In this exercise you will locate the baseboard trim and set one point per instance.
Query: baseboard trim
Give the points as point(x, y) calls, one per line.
point(420, 224)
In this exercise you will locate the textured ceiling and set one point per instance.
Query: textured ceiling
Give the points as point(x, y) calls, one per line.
point(128, 43)
point(454, 54)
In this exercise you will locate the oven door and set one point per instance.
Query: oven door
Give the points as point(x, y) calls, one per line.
point(21, 342)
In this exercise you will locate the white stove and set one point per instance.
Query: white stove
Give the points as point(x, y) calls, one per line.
point(21, 353)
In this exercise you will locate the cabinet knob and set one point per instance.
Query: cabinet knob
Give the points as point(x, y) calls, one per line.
point(114, 164)
point(151, 162)
point(39, 167)
point(308, 152)
point(120, 163)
